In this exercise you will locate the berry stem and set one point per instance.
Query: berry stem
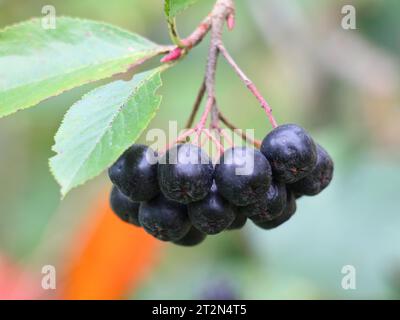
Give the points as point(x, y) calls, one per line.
point(217, 143)
point(245, 137)
point(249, 84)
point(202, 123)
point(227, 138)
point(184, 135)
point(181, 137)
point(196, 105)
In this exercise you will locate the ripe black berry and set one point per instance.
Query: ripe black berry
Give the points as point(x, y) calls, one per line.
point(319, 178)
point(243, 175)
point(192, 238)
point(284, 216)
point(212, 214)
point(239, 221)
point(123, 207)
point(164, 219)
point(185, 173)
point(135, 173)
point(269, 206)
point(291, 152)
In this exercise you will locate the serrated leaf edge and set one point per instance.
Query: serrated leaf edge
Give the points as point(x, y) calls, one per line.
point(64, 189)
point(140, 54)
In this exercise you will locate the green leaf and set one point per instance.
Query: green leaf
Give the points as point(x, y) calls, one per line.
point(174, 7)
point(37, 63)
point(102, 125)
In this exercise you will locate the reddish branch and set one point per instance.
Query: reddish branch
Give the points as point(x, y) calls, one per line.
point(245, 137)
point(249, 85)
point(198, 34)
point(196, 105)
point(223, 12)
point(215, 21)
point(173, 55)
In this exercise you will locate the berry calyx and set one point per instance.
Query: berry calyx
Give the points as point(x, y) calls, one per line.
point(269, 206)
point(291, 152)
point(243, 175)
point(126, 209)
point(192, 238)
point(135, 173)
point(185, 173)
point(164, 219)
point(319, 178)
point(211, 215)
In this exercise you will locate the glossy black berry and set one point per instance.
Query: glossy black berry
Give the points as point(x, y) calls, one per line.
point(212, 214)
point(126, 209)
point(164, 219)
point(319, 178)
point(269, 206)
point(192, 238)
point(135, 173)
point(243, 175)
point(185, 173)
point(240, 220)
point(291, 152)
point(284, 216)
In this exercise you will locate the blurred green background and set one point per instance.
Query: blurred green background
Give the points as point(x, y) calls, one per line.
point(342, 85)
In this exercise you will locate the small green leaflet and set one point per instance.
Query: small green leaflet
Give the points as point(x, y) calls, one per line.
point(37, 63)
point(174, 7)
point(102, 125)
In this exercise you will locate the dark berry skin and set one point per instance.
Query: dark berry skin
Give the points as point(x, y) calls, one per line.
point(291, 152)
point(284, 216)
point(185, 174)
point(297, 195)
point(213, 214)
point(243, 175)
point(123, 207)
point(269, 206)
point(239, 221)
point(192, 238)
point(164, 219)
point(135, 173)
point(319, 178)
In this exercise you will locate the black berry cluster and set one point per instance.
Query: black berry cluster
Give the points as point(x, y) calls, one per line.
point(182, 197)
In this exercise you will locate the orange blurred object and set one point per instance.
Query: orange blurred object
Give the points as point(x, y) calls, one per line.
point(109, 257)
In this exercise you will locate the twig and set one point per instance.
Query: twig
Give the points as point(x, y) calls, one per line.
point(202, 123)
point(217, 143)
point(245, 137)
point(196, 105)
point(182, 136)
point(202, 29)
point(223, 12)
point(226, 137)
point(214, 124)
point(249, 84)
point(198, 34)
point(203, 142)
point(222, 9)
